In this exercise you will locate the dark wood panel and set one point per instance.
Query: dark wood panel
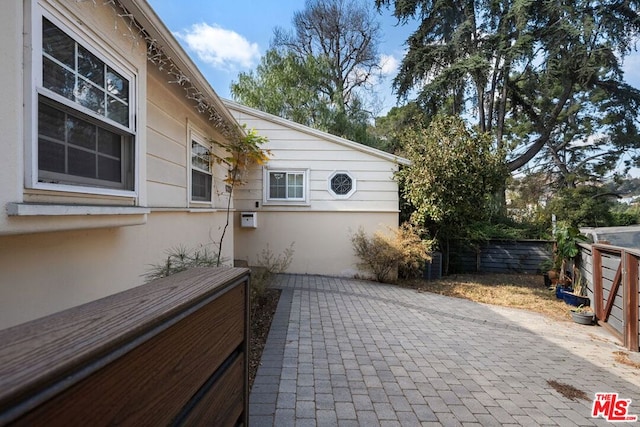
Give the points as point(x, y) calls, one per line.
point(134, 358)
point(153, 382)
point(501, 257)
point(222, 405)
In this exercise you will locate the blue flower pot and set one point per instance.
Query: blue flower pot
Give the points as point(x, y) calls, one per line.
point(561, 290)
point(574, 300)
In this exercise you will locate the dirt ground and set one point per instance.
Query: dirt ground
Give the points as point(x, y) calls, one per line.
point(262, 313)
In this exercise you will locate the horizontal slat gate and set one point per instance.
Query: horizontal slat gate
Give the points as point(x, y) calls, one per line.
point(614, 286)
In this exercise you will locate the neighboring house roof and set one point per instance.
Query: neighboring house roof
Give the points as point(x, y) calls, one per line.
point(155, 30)
point(314, 132)
point(624, 236)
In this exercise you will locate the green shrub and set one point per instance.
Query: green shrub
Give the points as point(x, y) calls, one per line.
point(402, 252)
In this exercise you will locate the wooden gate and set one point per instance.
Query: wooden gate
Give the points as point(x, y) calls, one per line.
point(614, 289)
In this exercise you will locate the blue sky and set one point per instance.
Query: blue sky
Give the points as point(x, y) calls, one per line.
point(227, 37)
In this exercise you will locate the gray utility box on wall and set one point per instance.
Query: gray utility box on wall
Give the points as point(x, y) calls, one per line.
point(249, 219)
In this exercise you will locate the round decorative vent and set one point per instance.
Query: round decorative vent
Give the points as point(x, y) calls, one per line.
point(341, 184)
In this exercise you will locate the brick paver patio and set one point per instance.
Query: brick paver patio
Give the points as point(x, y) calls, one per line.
point(347, 352)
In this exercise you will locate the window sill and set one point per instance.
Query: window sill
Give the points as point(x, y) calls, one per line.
point(188, 210)
point(285, 203)
point(28, 218)
point(36, 209)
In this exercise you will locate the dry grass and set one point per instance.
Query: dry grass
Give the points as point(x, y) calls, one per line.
point(623, 357)
point(568, 391)
point(509, 290)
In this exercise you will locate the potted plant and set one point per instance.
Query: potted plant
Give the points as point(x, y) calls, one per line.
point(583, 315)
point(578, 295)
point(566, 249)
point(567, 239)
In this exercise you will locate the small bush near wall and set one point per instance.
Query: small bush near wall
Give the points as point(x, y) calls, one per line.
point(402, 253)
point(268, 265)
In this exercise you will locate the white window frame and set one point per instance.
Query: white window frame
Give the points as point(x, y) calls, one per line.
point(268, 200)
point(198, 138)
point(341, 196)
point(35, 90)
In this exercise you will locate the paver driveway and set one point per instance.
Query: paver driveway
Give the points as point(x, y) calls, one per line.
point(350, 352)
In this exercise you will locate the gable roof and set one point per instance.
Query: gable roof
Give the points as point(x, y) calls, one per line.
point(314, 132)
point(155, 31)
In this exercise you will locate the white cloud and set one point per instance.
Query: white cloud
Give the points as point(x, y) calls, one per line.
point(223, 49)
point(388, 65)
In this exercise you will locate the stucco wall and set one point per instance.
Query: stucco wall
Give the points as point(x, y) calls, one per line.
point(42, 273)
point(321, 240)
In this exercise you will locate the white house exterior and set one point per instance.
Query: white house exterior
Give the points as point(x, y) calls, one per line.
point(107, 131)
point(316, 190)
point(104, 125)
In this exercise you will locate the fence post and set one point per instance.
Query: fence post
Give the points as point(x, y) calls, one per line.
point(630, 299)
point(597, 282)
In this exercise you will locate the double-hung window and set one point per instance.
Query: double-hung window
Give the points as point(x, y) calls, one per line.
point(85, 115)
point(201, 171)
point(286, 186)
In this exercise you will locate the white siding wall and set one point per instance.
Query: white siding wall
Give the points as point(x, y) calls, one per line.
point(11, 118)
point(320, 231)
point(170, 118)
point(292, 149)
point(321, 239)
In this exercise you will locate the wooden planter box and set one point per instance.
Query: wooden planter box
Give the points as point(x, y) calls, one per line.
point(171, 352)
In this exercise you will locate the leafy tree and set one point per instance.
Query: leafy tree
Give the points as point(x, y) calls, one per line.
point(287, 86)
point(624, 214)
point(390, 128)
point(343, 33)
point(528, 190)
point(583, 206)
point(543, 77)
point(316, 74)
point(453, 174)
point(625, 186)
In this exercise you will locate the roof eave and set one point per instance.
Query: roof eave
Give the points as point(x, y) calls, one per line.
point(156, 29)
point(318, 133)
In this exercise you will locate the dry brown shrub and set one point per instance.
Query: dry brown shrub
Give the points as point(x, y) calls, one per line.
point(402, 252)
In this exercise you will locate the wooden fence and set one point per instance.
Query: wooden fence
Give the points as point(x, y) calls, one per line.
point(171, 352)
point(611, 274)
point(500, 256)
